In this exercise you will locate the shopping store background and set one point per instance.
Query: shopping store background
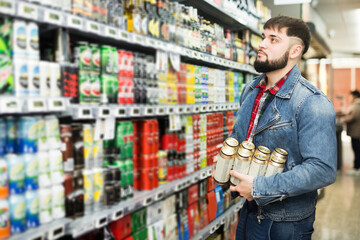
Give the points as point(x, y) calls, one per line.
point(111, 113)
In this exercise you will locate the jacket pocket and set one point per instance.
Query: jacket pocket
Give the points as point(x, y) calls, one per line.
point(281, 124)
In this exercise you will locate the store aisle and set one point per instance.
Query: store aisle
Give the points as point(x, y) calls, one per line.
point(338, 213)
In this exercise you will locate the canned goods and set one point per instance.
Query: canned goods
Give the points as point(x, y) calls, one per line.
point(95, 64)
point(52, 132)
point(109, 195)
point(33, 78)
point(106, 53)
point(19, 31)
point(20, 77)
point(55, 79)
point(42, 139)
point(11, 131)
point(83, 57)
point(130, 177)
point(56, 167)
point(44, 68)
point(224, 165)
point(98, 188)
point(88, 190)
point(231, 142)
point(58, 201)
point(4, 219)
point(32, 209)
point(77, 7)
point(109, 89)
point(78, 139)
point(88, 145)
point(4, 180)
point(95, 88)
point(28, 135)
point(259, 162)
point(45, 203)
point(16, 170)
point(277, 162)
point(44, 169)
point(248, 145)
point(17, 213)
point(67, 147)
point(241, 164)
point(78, 194)
point(98, 153)
point(84, 88)
point(31, 171)
point(2, 137)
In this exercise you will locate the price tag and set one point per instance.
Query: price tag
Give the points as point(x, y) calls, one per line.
point(7, 7)
point(160, 111)
point(187, 109)
point(222, 107)
point(217, 226)
point(209, 172)
point(195, 54)
point(56, 104)
point(10, 105)
point(207, 58)
point(101, 221)
point(209, 108)
point(201, 56)
point(148, 111)
point(164, 46)
point(203, 108)
point(80, 229)
point(147, 201)
point(150, 42)
point(216, 108)
point(75, 22)
point(212, 229)
point(117, 214)
point(120, 112)
point(36, 105)
point(195, 179)
point(159, 196)
point(178, 187)
point(134, 111)
point(57, 232)
point(92, 27)
point(138, 39)
point(131, 208)
point(84, 113)
point(222, 221)
point(180, 109)
point(54, 17)
point(111, 32)
point(188, 52)
point(170, 110)
point(226, 107)
point(124, 35)
point(27, 10)
point(215, 60)
point(196, 109)
point(104, 112)
point(203, 175)
point(40, 236)
point(175, 122)
point(109, 128)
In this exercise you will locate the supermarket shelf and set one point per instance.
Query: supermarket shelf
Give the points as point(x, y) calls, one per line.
point(141, 199)
point(24, 105)
point(79, 112)
point(232, 21)
point(53, 230)
point(47, 15)
point(214, 225)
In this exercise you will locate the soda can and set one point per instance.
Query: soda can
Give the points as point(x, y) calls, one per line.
point(42, 139)
point(129, 140)
point(109, 195)
point(83, 55)
point(27, 135)
point(44, 169)
point(248, 145)
point(88, 190)
point(98, 188)
point(224, 165)
point(124, 179)
point(259, 162)
point(106, 53)
point(130, 177)
point(45, 203)
point(58, 201)
point(241, 164)
point(277, 162)
point(84, 88)
point(78, 140)
point(77, 7)
point(106, 89)
point(78, 193)
point(31, 171)
point(44, 68)
point(69, 194)
point(17, 213)
point(2, 136)
point(98, 152)
point(67, 147)
point(33, 78)
point(19, 46)
point(32, 41)
point(21, 75)
point(95, 59)
point(231, 142)
point(95, 88)
point(88, 145)
point(11, 131)
point(32, 209)
point(4, 219)
point(52, 132)
point(56, 167)
point(104, 11)
point(55, 80)
point(96, 10)
point(4, 179)
point(16, 168)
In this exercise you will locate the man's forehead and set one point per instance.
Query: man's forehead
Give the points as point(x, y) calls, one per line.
point(276, 31)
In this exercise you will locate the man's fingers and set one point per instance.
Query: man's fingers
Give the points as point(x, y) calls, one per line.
point(237, 175)
point(233, 188)
point(215, 159)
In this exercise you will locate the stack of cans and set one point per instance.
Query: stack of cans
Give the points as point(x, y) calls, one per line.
point(32, 172)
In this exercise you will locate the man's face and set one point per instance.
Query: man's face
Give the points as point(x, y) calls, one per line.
point(273, 53)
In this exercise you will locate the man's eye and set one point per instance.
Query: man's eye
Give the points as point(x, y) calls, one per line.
point(273, 40)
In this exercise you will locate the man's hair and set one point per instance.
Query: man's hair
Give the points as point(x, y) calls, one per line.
point(295, 28)
point(355, 93)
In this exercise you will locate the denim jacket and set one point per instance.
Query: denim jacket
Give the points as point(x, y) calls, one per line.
point(301, 120)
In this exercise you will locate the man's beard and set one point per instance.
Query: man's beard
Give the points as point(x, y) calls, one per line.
point(269, 66)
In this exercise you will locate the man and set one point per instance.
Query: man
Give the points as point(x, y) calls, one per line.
point(282, 109)
point(352, 120)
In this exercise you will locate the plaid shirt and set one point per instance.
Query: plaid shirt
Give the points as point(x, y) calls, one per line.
point(263, 99)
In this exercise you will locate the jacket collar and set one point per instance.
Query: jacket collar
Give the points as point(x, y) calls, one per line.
point(287, 89)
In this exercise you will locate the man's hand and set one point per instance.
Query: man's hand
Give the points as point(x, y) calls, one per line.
point(244, 188)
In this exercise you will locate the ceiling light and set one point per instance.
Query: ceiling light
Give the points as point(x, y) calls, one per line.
point(288, 2)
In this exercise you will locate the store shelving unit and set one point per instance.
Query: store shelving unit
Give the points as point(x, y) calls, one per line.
point(42, 105)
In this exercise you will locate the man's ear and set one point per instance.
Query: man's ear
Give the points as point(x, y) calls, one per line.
point(295, 51)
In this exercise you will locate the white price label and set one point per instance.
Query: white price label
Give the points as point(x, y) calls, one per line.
point(151, 42)
point(120, 112)
point(10, 105)
point(54, 17)
point(109, 128)
point(175, 122)
point(160, 110)
point(134, 111)
point(138, 39)
point(99, 129)
point(93, 27)
point(7, 7)
point(101, 221)
point(75, 22)
point(28, 10)
point(82, 228)
point(84, 113)
point(117, 214)
point(36, 105)
point(104, 112)
point(147, 201)
point(57, 232)
point(111, 32)
point(148, 111)
point(159, 196)
point(56, 104)
point(126, 36)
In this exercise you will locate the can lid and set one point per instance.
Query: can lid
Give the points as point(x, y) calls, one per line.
point(227, 152)
point(264, 150)
point(261, 157)
point(277, 159)
point(232, 142)
point(281, 151)
point(248, 145)
point(245, 153)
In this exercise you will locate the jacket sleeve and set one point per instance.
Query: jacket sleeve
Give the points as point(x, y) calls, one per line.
point(315, 120)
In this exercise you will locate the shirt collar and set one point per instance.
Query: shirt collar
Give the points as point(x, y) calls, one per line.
point(274, 88)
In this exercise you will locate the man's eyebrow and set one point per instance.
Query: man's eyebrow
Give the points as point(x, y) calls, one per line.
point(272, 35)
